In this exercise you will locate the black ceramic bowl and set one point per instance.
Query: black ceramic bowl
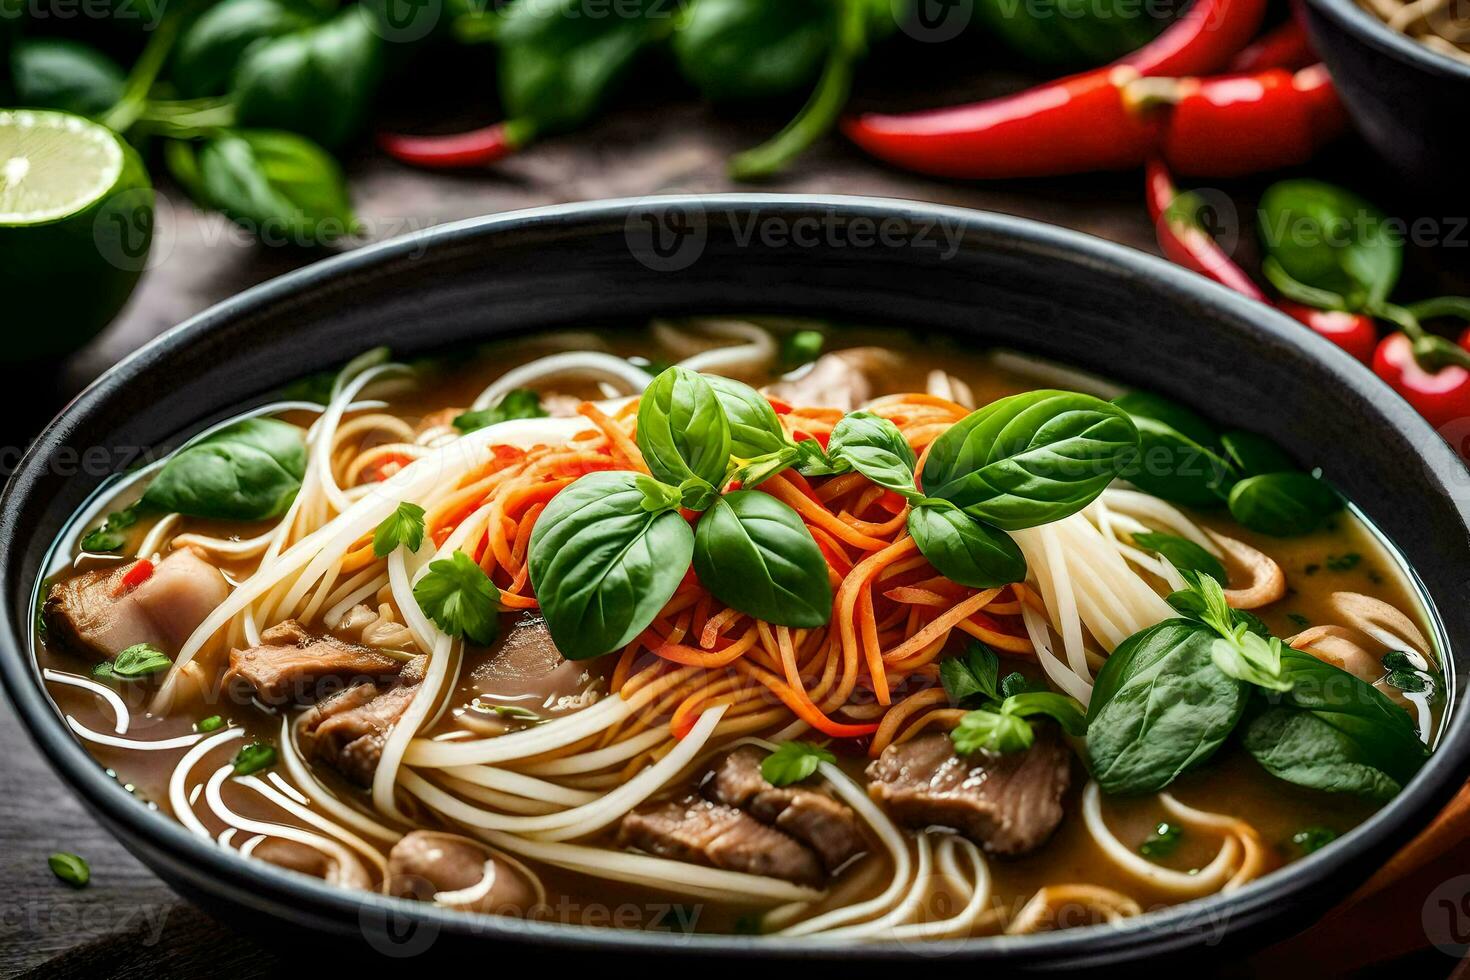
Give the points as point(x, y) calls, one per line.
point(993, 279)
point(1408, 100)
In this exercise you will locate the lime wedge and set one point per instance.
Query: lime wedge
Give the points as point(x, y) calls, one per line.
point(76, 224)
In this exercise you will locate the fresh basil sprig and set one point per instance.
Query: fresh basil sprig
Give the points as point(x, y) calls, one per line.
point(1237, 650)
point(682, 429)
point(998, 722)
point(754, 553)
point(876, 448)
point(1182, 553)
point(248, 471)
point(138, 660)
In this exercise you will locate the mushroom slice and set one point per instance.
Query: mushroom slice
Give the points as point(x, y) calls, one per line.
point(1070, 906)
point(337, 868)
point(1338, 646)
point(459, 873)
point(1384, 623)
point(1267, 582)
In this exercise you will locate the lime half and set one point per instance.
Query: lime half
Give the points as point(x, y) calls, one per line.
point(76, 224)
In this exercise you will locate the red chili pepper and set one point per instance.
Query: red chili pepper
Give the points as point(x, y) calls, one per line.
point(1353, 332)
point(1184, 241)
point(135, 576)
point(1068, 126)
point(1442, 396)
point(1244, 124)
point(476, 148)
point(1286, 46)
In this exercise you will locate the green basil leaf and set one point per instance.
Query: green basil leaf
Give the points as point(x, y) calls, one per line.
point(278, 185)
point(1030, 459)
point(56, 73)
point(755, 429)
point(1330, 239)
point(603, 566)
point(69, 868)
point(793, 762)
point(405, 526)
point(249, 471)
point(1183, 554)
point(213, 45)
point(518, 404)
point(754, 554)
point(962, 549)
point(1160, 707)
point(875, 447)
point(1065, 711)
point(1192, 606)
point(991, 731)
point(460, 598)
point(971, 678)
point(812, 460)
point(253, 758)
point(760, 469)
point(140, 660)
point(1177, 458)
point(739, 50)
point(1251, 658)
point(102, 539)
point(657, 497)
point(1254, 455)
point(1334, 732)
point(1283, 504)
point(682, 429)
point(558, 62)
point(319, 82)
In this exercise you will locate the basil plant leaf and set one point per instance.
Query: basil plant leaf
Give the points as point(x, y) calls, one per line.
point(1031, 459)
point(319, 82)
point(1254, 455)
point(213, 45)
point(249, 471)
point(280, 186)
point(57, 73)
point(557, 62)
point(876, 448)
point(1159, 708)
point(736, 50)
point(1334, 732)
point(682, 430)
point(1283, 504)
point(754, 554)
point(1177, 456)
point(755, 429)
point(519, 403)
point(1183, 554)
point(603, 565)
point(964, 550)
point(1330, 239)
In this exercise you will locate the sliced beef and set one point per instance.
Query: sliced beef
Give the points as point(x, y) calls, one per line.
point(1008, 803)
point(527, 669)
point(830, 828)
point(294, 666)
point(842, 379)
point(426, 864)
point(709, 833)
point(98, 613)
point(347, 730)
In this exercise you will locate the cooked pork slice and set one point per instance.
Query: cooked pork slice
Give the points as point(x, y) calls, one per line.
point(842, 379)
point(294, 666)
point(101, 613)
point(704, 832)
point(347, 730)
point(1008, 803)
point(451, 870)
point(810, 815)
point(529, 670)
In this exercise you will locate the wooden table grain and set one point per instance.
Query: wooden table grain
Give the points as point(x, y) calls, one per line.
point(126, 923)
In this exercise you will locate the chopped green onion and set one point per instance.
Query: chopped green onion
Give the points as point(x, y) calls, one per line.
point(70, 868)
point(211, 724)
point(253, 758)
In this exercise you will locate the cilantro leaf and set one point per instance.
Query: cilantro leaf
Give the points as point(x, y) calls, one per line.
point(458, 596)
point(971, 677)
point(405, 526)
point(792, 762)
point(520, 403)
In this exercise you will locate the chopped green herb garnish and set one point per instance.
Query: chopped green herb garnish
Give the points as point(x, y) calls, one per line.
point(518, 404)
point(460, 598)
point(1301, 621)
point(210, 724)
point(253, 758)
point(405, 526)
point(70, 868)
point(1016, 683)
point(793, 762)
point(1404, 673)
point(139, 660)
point(800, 348)
point(512, 711)
point(1344, 563)
point(970, 678)
point(1311, 839)
point(1162, 842)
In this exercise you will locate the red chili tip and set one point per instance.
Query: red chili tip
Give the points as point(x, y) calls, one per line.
point(476, 148)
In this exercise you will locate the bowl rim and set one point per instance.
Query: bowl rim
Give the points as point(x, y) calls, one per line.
point(1371, 31)
point(222, 872)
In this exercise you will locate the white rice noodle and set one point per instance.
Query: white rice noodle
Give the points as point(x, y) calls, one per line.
point(316, 820)
point(522, 744)
point(942, 384)
point(1214, 877)
point(161, 745)
point(519, 785)
point(598, 759)
point(754, 356)
point(179, 797)
point(325, 440)
point(122, 719)
point(153, 542)
point(1055, 375)
point(974, 886)
point(436, 678)
point(1057, 672)
point(334, 616)
point(324, 798)
point(226, 547)
point(1159, 514)
point(504, 802)
point(585, 364)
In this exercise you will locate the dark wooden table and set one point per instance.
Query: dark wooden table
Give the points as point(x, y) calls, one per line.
point(127, 923)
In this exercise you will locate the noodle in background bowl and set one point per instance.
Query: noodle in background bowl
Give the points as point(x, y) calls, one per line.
point(1001, 281)
point(1407, 98)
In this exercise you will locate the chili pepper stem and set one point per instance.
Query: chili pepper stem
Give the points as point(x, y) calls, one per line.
point(121, 117)
point(820, 113)
point(1432, 353)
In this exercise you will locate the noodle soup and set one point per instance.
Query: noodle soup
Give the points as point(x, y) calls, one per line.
point(745, 627)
